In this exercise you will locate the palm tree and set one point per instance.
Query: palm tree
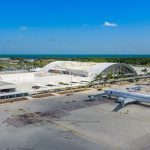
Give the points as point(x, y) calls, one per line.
point(145, 71)
point(109, 75)
point(98, 78)
point(1, 67)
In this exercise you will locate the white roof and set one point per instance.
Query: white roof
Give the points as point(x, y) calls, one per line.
point(139, 70)
point(90, 67)
point(5, 85)
point(36, 69)
point(100, 67)
point(68, 65)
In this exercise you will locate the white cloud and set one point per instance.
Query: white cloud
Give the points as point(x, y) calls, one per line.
point(109, 24)
point(24, 28)
point(85, 25)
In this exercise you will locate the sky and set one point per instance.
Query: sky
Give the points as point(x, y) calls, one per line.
point(74, 27)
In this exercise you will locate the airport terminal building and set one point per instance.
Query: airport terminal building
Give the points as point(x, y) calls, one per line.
point(58, 75)
point(88, 69)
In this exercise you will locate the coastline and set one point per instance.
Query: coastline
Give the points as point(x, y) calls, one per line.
point(38, 56)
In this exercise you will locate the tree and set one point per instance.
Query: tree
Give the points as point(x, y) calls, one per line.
point(1, 67)
point(98, 77)
point(145, 71)
point(109, 75)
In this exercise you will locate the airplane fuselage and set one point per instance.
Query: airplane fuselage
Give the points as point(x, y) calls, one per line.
point(136, 96)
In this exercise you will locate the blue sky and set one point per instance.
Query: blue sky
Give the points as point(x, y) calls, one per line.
point(74, 27)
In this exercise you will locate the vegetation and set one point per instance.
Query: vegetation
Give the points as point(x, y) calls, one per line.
point(107, 77)
point(1, 67)
point(145, 70)
point(133, 61)
point(101, 77)
point(13, 100)
point(43, 95)
point(98, 77)
point(21, 63)
point(73, 91)
point(62, 83)
point(51, 85)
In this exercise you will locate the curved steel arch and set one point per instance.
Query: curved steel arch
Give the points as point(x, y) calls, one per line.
point(122, 65)
point(93, 74)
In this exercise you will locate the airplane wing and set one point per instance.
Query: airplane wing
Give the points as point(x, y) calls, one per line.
point(124, 102)
point(129, 100)
point(120, 106)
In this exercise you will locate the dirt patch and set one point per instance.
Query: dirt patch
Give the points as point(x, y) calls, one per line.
point(19, 149)
point(53, 114)
point(63, 110)
point(43, 95)
point(73, 91)
point(84, 104)
point(71, 106)
point(23, 120)
point(12, 100)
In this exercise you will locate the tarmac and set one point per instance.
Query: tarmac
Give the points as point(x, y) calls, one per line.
point(74, 123)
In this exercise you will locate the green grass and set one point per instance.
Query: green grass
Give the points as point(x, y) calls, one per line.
point(62, 83)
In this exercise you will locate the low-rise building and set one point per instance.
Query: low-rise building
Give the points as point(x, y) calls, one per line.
point(8, 90)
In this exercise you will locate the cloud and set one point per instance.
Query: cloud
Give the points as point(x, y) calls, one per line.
point(24, 28)
point(85, 25)
point(109, 24)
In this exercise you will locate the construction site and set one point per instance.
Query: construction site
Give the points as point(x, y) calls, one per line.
point(63, 75)
point(70, 119)
point(75, 122)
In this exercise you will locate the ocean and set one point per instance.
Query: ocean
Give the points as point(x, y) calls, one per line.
point(38, 56)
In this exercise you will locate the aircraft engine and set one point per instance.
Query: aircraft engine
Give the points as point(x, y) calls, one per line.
point(120, 99)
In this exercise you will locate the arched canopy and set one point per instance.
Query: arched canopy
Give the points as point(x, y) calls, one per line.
point(56, 64)
point(87, 69)
point(114, 68)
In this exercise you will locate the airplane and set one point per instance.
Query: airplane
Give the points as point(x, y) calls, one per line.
point(125, 98)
